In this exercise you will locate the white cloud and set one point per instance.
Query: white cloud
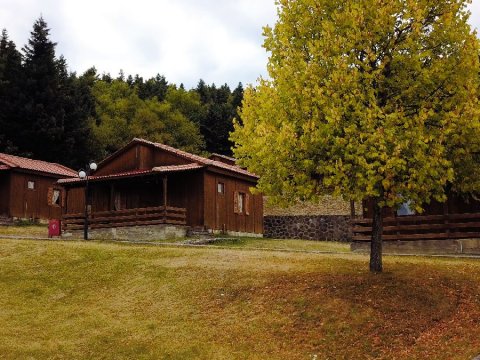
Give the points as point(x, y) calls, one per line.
point(475, 14)
point(185, 40)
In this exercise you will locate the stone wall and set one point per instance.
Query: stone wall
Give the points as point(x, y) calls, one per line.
point(309, 227)
point(132, 233)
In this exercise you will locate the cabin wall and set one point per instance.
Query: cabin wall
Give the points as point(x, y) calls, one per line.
point(127, 161)
point(4, 193)
point(32, 203)
point(185, 190)
point(140, 157)
point(455, 204)
point(163, 158)
point(74, 200)
point(219, 208)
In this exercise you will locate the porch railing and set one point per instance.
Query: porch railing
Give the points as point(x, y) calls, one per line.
point(127, 217)
point(427, 227)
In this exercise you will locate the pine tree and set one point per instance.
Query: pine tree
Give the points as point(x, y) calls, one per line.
point(43, 122)
point(220, 108)
point(57, 105)
point(11, 94)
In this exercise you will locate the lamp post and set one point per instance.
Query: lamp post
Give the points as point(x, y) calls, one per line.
point(84, 174)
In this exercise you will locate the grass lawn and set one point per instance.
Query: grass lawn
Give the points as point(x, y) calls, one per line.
point(72, 300)
point(26, 230)
point(295, 245)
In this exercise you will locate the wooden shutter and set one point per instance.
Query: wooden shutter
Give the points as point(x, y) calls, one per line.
point(62, 198)
point(247, 204)
point(49, 196)
point(235, 202)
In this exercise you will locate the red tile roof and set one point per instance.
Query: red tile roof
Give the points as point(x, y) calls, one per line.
point(176, 168)
point(196, 158)
point(134, 173)
point(229, 158)
point(4, 167)
point(13, 161)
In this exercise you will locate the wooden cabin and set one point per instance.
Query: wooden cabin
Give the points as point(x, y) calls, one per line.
point(28, 188)
point(457, 218)
point(146, 183)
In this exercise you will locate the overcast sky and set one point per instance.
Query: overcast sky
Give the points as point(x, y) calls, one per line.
point(184, 40)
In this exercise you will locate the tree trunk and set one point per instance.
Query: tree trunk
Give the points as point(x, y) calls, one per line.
point(376, 243)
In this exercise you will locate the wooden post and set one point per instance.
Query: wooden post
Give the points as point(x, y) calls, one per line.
point(112, 197)
point(64, 203)
point(397, 224)
point(165, 198)
point(352, 209)
point(445, 218)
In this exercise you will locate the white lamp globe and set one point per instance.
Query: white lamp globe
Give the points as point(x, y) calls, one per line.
point(93, 166)
point(82, 174)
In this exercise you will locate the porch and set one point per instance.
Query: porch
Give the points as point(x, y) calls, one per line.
point(128, 217)
point(421, 227)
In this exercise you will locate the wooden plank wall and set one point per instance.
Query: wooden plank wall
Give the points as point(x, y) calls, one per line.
point(127, 161)
point(163, 158)
point(140, 157)
point(75, 200)
point(455, 204)
point(27, 203)
point(4, 193)
point(185, 190)
point(251, 223)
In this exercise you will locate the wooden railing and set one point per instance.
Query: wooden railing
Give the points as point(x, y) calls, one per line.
point(417, 227)
point(127, 217)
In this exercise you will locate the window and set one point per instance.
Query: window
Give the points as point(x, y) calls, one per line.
point(405, 209)
point(241, 203)
point(221, 188)
point(31, 185)
point(56, 197)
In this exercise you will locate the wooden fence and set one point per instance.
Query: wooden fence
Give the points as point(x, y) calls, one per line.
point(428, 227)
point(127, 217)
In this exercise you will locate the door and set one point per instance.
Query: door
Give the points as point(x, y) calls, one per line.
point(220, 206)
point(30, 203)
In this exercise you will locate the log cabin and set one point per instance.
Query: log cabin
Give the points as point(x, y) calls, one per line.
point(146, 183)
point(457, 218)
point(28, 188)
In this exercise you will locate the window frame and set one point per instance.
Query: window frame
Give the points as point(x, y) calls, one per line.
point(220, 188)
point(57, 203)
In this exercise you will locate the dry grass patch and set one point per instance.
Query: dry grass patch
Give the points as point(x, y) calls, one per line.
point(112, 301)
point(26, 230)
point(285, 244)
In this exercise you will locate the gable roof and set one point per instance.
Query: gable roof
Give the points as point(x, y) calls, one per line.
point(16, 162)
point(134, 173)
point(223, 158)
point(200, 160)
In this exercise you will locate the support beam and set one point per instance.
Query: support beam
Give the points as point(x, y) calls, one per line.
point(164, 181)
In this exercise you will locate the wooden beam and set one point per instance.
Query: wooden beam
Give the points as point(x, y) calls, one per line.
point(165, 199)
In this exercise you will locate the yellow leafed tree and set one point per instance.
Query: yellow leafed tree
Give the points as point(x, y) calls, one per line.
point(365, 99)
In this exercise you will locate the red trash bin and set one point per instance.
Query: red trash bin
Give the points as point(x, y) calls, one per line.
point(53, 228)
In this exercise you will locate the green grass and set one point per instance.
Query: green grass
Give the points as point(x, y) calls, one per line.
point(25, 230)
point(295, 245)
point(77, 300)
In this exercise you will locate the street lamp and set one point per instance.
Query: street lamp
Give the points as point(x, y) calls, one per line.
point(84, 174)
